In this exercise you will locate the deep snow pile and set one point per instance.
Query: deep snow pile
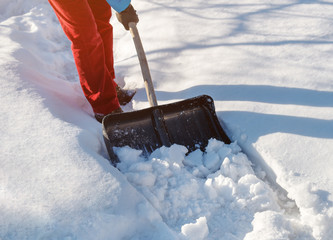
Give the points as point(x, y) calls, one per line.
point(212, 195)
point(268, 67)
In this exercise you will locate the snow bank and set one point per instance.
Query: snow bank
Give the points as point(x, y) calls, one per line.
point(55, 182)
point(272, 225)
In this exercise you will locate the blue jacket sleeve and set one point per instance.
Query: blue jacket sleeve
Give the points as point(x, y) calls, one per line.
point(119, 5)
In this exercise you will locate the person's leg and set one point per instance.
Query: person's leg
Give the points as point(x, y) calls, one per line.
point(79, 24)
point(102, 13)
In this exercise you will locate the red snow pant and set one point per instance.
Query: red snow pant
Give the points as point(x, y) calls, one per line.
point(86, 24)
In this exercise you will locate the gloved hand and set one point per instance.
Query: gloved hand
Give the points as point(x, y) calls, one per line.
point(127, 16)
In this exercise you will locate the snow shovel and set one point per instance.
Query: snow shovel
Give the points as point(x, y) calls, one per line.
point(190, 122)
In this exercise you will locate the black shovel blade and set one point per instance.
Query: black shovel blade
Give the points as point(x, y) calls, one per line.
point(190, 123)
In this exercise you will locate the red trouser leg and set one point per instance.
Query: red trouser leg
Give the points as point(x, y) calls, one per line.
point(102, 13)
point(86, 24)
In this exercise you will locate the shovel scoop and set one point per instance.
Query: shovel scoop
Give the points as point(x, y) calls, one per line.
point(191, 122)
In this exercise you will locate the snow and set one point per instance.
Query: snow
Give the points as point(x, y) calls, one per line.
point(268, 67)
point(198, 230)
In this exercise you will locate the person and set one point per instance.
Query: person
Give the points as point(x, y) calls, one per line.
point(86, 23)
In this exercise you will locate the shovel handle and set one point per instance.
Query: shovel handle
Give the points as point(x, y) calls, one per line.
point(144, 65)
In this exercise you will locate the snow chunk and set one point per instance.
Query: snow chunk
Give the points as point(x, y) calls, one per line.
point(127, 155)
point(196, 231)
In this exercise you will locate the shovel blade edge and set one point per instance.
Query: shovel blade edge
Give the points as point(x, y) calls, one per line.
point(190, 123)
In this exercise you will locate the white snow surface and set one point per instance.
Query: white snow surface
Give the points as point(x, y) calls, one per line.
point(268, 66)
